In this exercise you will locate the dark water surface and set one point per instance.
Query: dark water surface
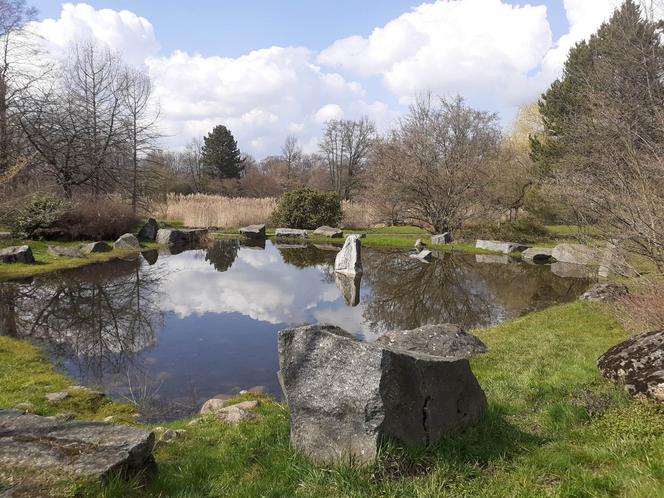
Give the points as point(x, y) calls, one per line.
point(169, 331)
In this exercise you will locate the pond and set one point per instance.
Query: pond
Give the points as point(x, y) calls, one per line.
point(169, 331)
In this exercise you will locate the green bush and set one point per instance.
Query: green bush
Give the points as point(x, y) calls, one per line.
point(307, 208)
point(42, 211)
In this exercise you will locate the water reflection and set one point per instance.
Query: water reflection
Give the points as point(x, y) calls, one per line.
point(170, 331)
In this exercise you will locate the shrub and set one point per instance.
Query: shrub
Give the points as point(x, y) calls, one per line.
point(97, 220)
point(41, 211)
point(307, 208)
point(525, 231)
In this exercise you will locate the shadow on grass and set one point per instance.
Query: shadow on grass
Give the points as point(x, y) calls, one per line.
point(494, 439)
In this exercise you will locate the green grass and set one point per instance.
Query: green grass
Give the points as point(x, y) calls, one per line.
point(44, 262)
point(554, 428)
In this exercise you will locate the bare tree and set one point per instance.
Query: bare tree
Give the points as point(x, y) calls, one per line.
point(345, 146)
point(435, 165)
point(292, 154)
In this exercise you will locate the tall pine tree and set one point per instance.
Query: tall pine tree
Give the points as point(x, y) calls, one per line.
point(220, 155)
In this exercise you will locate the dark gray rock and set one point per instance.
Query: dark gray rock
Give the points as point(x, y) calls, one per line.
point(290, 233)
point(94, 247)
point(127, 241)
point(191, 236)
point(349, 259)
point(149, 230)
point(498, 246)
point(325, 231)
point(638, 364)
point(577, 254)
point(256, 232)
point(17, 254)
point(65, 252)
point(604, 292)
point(539, 255)
point(442, 238)
point(345, 395)
point(445, 340)
point(41, 444)
point(349, 285)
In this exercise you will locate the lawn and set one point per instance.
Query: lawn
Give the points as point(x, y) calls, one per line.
point(554, 428)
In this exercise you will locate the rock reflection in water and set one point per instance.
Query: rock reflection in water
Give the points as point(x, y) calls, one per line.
point(173, 331)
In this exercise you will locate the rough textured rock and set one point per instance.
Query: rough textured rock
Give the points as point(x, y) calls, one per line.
point(256, 232)
point(419, 245)
point(93, 247)
point(17, 254)
point(615, 262)
point(212, 405)
point(577, 254)
point(638, 364)
point(149, 230)
point(345, 395)
point(504, 247)
point(65, 252)
point(127, 241)
point(494, 259)
point(424, 255)
point(91, 449)
point(182, 237)
point(445, 340)
point(349, 285)
point(442, 238)
point(349, 259)
point(538, 255)
point(604, 292)
point(56, 397)
point(570, 270)
point(325, 231)
point(290, 232)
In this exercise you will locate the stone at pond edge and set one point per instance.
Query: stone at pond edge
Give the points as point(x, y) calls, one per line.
point(149, 230)
point(290, 232)
point(17, 254)
point(498, 246)
point(56, 397)
point(127, 241)
point(65, 252)
point(538, 255)
point(94, 247)
point(577, 254)
point(325, 231)
point(182, 237)
point(604, 292)
point(441, 239)
point(91, 449)
point(344, 395)
point(349, 259)
point(256, 232)
point(444, 340)
point(638, 364)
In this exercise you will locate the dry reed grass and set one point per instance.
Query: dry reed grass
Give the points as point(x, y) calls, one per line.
point(204, 210)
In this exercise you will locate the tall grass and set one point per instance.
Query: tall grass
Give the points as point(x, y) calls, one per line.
point(202, 210)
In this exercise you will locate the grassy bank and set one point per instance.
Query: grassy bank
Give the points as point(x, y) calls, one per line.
point(44, 262)
point(554, 428)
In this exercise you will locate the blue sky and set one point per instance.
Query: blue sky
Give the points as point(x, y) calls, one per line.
point(268, 69)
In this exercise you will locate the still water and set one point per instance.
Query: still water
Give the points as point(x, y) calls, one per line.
point(169, 331)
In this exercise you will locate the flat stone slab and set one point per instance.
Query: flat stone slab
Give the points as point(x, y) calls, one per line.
point(290, 232)
point(498, 246)
point(325, 231)
point(91, 449)
point(5, 235)
point(65, 252)
point(254, 231)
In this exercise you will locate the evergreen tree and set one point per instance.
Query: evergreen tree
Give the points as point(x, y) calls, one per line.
point(220, 155)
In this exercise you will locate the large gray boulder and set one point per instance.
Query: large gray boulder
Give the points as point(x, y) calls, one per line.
point(498, 246)
point(349, 259)
point(255, 232)
point(127, 241)
point(615, 261)
point(149, 230)
point(290, 233)
point(345, 395)
point(538, 255)
point(442, 238)
point(445, 340)
point(638, 364)
point(173, 237)
point(92, 449)
point(325, 231)
point(577, 254)
point(17, 254)
point(65, 252)
point(95, 247)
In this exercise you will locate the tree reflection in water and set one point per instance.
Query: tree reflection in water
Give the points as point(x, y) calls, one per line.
point(222, 253)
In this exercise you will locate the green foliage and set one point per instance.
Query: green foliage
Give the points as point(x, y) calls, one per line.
point(307, 208)
point(41, 211)
point(525, 231)
point(220, 155)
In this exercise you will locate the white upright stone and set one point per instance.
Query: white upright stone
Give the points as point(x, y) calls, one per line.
point(349, 259)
